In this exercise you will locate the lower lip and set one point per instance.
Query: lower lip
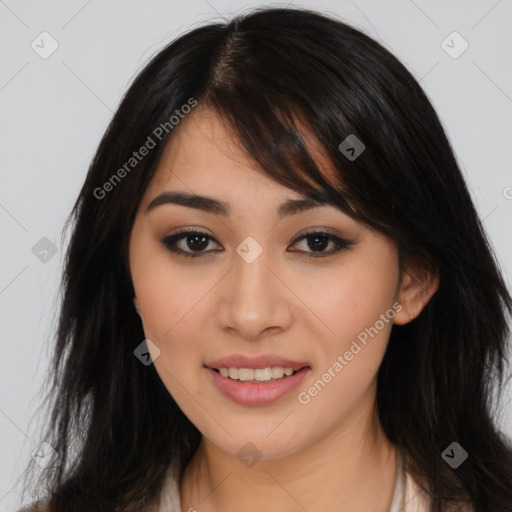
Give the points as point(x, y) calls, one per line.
point(249, 393)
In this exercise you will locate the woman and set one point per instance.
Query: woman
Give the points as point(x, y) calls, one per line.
point(319, 319)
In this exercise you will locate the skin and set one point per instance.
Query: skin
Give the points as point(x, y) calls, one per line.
point(308, 309)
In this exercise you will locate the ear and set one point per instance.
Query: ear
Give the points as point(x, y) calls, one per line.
point(136, 304)
point(416, 288)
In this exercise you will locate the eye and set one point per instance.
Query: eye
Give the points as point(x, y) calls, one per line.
point(194, 239)
point(197, 241)
point(319, 240)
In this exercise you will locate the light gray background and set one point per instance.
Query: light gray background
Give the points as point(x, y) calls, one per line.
point(54, 111)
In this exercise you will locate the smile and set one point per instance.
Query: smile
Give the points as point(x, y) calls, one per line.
point(250, 386)
point(268, 374)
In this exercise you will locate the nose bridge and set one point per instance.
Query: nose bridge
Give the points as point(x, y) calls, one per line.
point(252, 301)
point(251, 273)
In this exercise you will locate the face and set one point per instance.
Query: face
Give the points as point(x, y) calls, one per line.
point(253, 290)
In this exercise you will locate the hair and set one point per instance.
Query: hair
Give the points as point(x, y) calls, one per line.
point(276, 76)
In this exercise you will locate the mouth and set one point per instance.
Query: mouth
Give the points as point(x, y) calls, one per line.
point(257, 375)
point(256, 381)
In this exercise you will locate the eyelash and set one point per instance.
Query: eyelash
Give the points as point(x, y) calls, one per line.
point(171, 240)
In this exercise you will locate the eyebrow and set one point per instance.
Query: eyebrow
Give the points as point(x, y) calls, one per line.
point(218, 207)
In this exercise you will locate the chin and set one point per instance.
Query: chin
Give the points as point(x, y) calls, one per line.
point(267, 444)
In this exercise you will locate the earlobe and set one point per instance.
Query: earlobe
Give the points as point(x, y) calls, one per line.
point(416, 289)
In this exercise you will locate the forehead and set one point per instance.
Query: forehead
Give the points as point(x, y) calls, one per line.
point(203, 153)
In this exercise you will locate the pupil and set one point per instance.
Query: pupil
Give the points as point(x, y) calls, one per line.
point(324, 239)
point(195, 238)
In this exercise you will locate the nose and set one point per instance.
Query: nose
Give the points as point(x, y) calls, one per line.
point(254, 301)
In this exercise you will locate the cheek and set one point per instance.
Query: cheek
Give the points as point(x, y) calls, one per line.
point(349, 359)
point(168, 297)
point(175, 309)
point(356, 299)
point(169, 317)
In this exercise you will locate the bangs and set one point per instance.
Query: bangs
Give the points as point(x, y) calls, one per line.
point(272, 127)
point(276, 137)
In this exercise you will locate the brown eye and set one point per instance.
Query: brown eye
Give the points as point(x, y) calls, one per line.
point(195, 243)
point(317, 241)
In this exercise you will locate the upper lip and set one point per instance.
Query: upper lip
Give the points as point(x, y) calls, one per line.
point(261, 361)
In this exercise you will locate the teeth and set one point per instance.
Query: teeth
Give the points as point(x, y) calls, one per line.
point(263, 374)
point(244, 373)
point(259, 374)
point(277, 372)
